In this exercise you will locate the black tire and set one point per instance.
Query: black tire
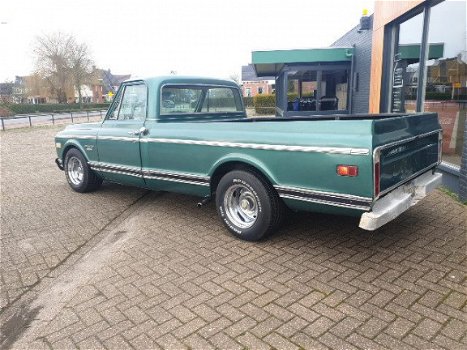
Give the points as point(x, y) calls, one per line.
point(79, 175)
point(248, 205)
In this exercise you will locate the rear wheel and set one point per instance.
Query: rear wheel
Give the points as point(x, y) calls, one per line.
point(248, 205)
point(79, 175)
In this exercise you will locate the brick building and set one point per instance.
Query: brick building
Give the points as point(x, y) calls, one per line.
point(252, 85)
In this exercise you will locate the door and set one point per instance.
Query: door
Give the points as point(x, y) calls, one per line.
point(171, 161)
point(118, 140)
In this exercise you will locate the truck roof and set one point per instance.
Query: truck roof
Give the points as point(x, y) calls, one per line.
point(183, 79)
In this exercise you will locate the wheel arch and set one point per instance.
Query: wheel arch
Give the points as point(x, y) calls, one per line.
point(239, 162)
point(73, 144)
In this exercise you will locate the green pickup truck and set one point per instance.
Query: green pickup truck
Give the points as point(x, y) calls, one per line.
point(191, 135)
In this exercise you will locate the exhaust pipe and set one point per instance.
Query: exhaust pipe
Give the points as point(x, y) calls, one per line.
point(204, 201)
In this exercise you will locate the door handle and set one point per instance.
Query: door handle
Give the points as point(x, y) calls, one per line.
point(143, 131)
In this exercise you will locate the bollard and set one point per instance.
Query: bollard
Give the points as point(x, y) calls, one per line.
point(87, 113)
point(53, 120)
point(71, 115)
point(100, 112)
point(3, 124)
point(30, 122)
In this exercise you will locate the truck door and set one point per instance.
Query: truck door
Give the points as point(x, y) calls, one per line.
point(118, 140)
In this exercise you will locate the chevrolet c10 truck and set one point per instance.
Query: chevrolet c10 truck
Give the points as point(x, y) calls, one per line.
point(191, 135)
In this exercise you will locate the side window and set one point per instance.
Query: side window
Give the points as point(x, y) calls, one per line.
point(221, 100)
point(130, 103)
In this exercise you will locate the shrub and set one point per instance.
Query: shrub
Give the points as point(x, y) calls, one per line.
point(248, 102)
point(265, 104)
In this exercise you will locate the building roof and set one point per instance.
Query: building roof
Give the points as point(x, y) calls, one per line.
point(270, 63)
point(110, 81)
point(249, 74)
point(6, 89)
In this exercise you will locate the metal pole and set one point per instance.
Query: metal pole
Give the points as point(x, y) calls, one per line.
point(100, 112)
point(30, 122)
point(424, 47)
point(71, 115)
point(3, 124)
point(87, 113)
point(53, 119)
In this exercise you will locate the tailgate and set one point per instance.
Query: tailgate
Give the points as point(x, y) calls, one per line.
point(404, 147)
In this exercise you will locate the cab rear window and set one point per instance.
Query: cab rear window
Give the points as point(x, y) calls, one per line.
point(199, 99)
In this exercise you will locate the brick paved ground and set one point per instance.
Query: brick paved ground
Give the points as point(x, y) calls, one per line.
point(154, 271)
point(42, 220)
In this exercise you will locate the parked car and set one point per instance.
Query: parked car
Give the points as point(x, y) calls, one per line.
point(371, 166)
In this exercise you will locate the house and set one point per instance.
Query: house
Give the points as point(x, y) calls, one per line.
point(106, 84)
point(253, 85)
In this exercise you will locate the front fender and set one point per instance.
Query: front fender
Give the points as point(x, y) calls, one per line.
point(72, 143)
point(246, 159)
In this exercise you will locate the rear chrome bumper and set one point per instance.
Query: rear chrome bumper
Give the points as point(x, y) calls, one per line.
point(59, 163)
point(399, 200)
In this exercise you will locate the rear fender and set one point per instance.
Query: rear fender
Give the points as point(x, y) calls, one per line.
point(245, 159)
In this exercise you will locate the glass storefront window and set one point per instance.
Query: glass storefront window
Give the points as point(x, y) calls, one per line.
point(446, 75)
point(406, 65)
point(443, 77)
point(334, 84)
point(317, 90)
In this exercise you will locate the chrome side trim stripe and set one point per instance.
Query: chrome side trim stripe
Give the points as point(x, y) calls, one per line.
point(147, 172)
point(119, 138)
point(260, 146)
point(191, 179)
point(153, 177)
point(79, 137)
point(329, 198)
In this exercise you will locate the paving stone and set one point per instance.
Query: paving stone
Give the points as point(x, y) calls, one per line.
point(318, 327)
point(250, 341)
point(291, 327)
point(265, 327)
point(181, 281)
point(336, 343)
point(223, 341)
point(399, 328)
point(279, 342)
point(427, 329)
point(372, 327)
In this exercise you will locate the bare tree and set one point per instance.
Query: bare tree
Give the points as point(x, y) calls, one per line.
point(81, 67)
point(64, 63)
point(235, 77)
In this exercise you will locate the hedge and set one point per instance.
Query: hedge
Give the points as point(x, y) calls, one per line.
point(248, 102)
point(51, 107)
point(265, 104)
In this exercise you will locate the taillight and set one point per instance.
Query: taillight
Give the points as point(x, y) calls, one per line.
point(347, 170)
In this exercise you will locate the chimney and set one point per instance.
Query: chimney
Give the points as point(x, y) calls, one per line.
point(365, 21)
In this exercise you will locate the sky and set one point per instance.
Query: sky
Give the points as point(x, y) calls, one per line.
point(145, 38)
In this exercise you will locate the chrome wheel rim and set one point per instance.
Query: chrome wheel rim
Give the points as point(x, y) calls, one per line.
point(75, 171)
point(241, 206)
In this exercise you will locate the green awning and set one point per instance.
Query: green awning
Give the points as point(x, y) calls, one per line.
point(269, 63)
point(411, 52)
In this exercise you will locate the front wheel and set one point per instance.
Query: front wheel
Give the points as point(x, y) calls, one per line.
point(248, 205)
point(78, 173)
